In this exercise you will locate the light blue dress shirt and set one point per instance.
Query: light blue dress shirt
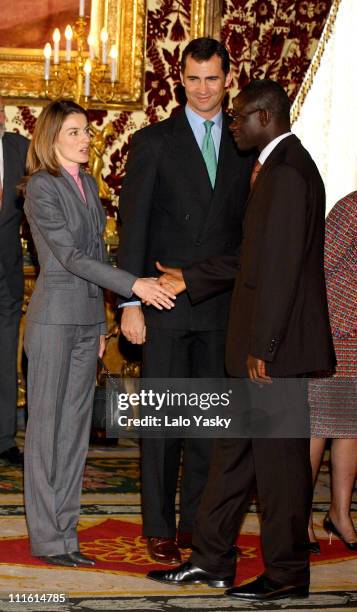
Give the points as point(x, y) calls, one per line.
point(197, 126)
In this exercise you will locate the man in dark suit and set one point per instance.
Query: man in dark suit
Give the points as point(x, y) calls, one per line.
point(13, 150)
point(182, 201)
point(278, 327)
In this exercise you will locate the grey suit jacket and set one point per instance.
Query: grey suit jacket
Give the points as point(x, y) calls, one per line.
point(68, 238)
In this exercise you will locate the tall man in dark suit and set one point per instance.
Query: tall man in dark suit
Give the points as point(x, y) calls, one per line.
point(278, 327)
point(182, 201)
point(13, 150)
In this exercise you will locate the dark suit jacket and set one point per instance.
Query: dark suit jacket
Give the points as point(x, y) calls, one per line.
point(15, 151)
point(279, 308)
point(170, 213)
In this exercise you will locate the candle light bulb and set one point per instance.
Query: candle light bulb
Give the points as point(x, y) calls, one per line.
point(56, 37)
point(92, 45)
point(47, 53)
point(68, 33)
point(113, 60)
point(104, 35)
point(87, 70)
point(87, 66)
point(113, 52)
point(104, 39)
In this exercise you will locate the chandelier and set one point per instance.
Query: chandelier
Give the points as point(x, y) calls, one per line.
point(82, 73)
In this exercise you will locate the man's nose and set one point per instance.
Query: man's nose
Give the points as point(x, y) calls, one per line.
point(203, 88)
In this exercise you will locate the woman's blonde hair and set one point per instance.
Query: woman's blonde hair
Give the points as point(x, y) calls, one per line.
point(42, 154)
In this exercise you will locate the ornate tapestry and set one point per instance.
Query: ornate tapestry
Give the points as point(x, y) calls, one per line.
point(273, 39)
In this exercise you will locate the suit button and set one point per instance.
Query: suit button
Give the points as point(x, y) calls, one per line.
point(187, 217)
point(198, 242)
point(228, 244)
point(272, 345)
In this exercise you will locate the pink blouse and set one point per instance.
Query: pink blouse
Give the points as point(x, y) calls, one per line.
point(74, 172)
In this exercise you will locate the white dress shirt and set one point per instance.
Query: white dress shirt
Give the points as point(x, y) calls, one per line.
point(264, 154)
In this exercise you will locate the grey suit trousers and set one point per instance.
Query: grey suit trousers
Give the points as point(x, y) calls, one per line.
point(61, 382)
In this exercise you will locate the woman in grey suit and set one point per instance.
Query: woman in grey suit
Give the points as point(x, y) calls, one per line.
point(65, 326)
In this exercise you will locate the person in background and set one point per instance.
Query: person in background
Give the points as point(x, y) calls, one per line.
point(65, 326)
point(13, 150)
point(333, 400)
point(183, 199)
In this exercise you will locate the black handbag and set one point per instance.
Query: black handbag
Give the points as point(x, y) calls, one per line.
point(101, 396)
point(98, 416)
point(108, 386)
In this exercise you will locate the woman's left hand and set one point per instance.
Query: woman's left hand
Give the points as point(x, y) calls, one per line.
point(102, 346)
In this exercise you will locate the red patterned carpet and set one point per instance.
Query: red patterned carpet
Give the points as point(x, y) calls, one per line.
point(110, 531)
point(117, 546)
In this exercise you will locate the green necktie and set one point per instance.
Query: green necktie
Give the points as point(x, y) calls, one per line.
point(209, 152)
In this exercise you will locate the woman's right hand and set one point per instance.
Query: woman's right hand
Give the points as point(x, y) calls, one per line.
point(152, 293)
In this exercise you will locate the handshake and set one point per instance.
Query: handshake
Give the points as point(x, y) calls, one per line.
point(160, 292)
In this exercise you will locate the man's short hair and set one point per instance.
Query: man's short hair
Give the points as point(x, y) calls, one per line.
point(202, 49)
point(268, 95)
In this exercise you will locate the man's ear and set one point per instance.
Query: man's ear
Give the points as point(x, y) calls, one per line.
point(265, 117)
point(229, 79)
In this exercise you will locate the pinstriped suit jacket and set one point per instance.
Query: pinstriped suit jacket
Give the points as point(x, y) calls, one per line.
point(68, 238)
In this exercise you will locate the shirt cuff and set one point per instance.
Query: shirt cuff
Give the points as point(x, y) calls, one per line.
point(136, 303)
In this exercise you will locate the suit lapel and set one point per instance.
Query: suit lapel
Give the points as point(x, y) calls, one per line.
point(273, 158)
point(94, 206)
point(190, 160)
point(271, 161)
point(72, 187)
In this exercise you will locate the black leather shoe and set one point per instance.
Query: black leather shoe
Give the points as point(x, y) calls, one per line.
point(64, 560)
point(187, 573)
point(12, 456)
point(80, 559)
point(264, 589)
